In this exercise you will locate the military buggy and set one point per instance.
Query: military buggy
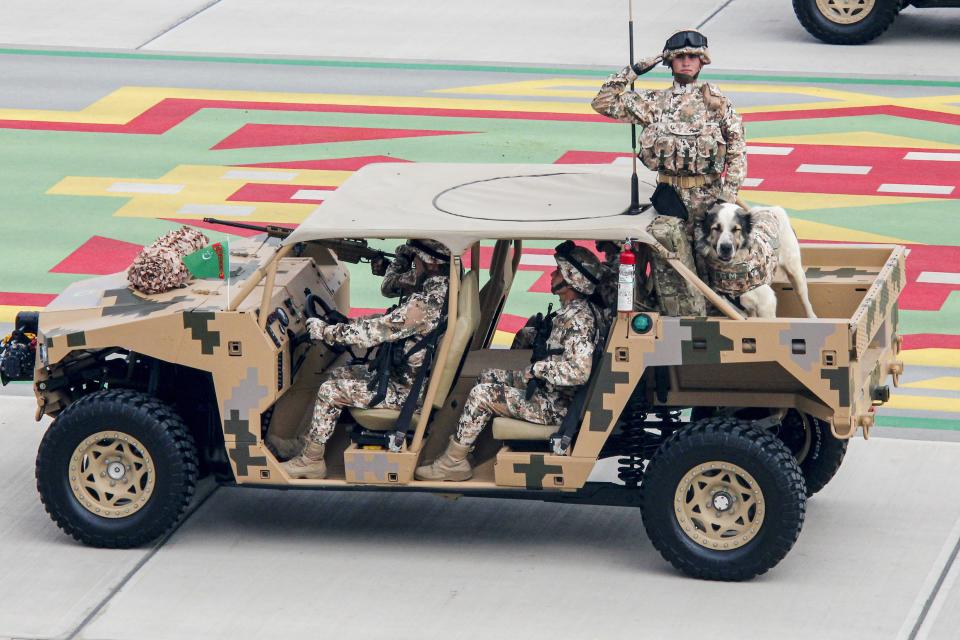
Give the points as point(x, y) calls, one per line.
point(721, 426)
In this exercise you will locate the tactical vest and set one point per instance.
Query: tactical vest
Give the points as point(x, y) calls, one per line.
point(737, 278)
point(686, 140)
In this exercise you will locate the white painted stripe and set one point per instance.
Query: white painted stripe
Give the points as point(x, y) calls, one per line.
point(939, 277)
point(247, 174)
point(538, 260)
point(215, 210)
point(310, 194)
point(769, 151)
point(932, 155)
point(752, 182)
point(849, 169)
point(145, 187)
point(924, 612)
point(939, 189)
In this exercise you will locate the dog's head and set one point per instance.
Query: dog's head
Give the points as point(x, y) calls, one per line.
point(726, 228)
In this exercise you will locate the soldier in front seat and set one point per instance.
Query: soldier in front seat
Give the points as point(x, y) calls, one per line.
point(357, 386)
point(542, 392)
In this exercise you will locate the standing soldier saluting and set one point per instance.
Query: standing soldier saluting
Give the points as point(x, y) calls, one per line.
point(693, 138)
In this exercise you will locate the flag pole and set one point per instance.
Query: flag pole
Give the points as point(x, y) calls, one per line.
point(634, 180)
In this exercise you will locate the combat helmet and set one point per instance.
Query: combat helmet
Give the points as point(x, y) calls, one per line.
point(579, 267)
point(686, 41)
point(430, 251)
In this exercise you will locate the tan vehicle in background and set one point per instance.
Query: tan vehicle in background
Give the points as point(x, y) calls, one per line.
point(150, 392)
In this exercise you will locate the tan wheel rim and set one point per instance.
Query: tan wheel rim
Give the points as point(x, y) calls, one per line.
point(111, 474)
point(845, 11)
point(719, 505)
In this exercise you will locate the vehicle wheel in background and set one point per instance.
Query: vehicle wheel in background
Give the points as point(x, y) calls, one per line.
point(817, 451)
point(846, 21)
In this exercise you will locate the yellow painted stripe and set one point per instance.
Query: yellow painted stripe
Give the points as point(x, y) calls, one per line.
point(932, 357)
point(8, 313)
point(923, 403)
point(502, 339)
point(943, 383)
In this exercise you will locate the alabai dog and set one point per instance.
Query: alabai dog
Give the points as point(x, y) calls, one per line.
point(741, 252)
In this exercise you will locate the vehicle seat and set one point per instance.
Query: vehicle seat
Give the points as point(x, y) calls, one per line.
point(513, 429)
point(468, 318)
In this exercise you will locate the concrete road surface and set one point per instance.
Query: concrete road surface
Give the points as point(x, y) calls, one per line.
point(876, 559)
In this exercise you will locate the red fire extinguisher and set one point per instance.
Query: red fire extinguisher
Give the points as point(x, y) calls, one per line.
point(627, 279)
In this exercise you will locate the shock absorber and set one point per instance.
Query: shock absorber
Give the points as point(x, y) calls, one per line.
point(633, 442)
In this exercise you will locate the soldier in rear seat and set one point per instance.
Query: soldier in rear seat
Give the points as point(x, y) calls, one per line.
point(543, 391)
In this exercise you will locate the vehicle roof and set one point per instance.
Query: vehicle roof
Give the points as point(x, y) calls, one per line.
point(459, 204)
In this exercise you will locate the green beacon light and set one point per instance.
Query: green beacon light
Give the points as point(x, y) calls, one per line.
point(641, 323)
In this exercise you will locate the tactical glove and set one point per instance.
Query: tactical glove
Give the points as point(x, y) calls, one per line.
point(640, 67)
point(316, 326)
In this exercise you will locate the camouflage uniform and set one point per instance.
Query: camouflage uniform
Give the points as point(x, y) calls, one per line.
point(760, 266)
point(503, 393)
point(159, 266)
point(351, 386)
point(691, 133)
point(401, 278)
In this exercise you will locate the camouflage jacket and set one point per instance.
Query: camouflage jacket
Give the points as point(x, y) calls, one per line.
point(760, 266)
point(687, 129)
point(575, 333)
point(401, 278)
point(409, 322)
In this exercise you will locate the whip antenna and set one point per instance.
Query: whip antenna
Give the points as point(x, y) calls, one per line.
point(634, 180)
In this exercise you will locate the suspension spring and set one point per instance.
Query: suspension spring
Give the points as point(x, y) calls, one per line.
point(633, 442)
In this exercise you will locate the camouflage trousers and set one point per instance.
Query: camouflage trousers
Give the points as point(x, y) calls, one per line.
point(348, 387)
point(677, 296)
point(499, 392)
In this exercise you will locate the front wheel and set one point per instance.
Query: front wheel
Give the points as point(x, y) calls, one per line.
point(723, 500)
point(846, 21)
point(116, 469)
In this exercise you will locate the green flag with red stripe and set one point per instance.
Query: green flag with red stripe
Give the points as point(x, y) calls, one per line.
point(210, 262)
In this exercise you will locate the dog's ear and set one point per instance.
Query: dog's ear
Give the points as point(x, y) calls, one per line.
point(708, 220)
point(745, 218)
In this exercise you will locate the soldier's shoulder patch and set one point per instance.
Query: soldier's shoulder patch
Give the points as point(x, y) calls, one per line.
point(713, 89)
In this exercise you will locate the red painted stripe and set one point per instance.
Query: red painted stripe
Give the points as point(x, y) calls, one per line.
point(333, 164)
point(281, 193)
point(13, 299)
point(931, 341)
point(278, 135)
point(170, 112)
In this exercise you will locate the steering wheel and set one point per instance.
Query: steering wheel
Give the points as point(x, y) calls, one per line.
point(331, 316)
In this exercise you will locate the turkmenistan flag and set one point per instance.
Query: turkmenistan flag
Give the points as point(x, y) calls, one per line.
point(209, 262)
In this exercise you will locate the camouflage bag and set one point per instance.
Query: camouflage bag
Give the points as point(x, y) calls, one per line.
point(677, 296)
point(159, 266)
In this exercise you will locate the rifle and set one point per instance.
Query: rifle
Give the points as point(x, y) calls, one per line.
point(544, 326)
point(352, 250)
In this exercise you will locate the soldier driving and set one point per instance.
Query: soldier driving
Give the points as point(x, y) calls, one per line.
point(360, 385)
point(693, 138)
point(542, 392)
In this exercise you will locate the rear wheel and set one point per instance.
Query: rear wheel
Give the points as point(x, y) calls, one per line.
point(846, 21)
point(818, 452)
point(723, 500)
point(116, 469)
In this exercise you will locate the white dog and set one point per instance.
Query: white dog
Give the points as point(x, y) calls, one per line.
point(742, 251)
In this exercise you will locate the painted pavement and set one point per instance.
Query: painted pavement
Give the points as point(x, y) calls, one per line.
point(850, 161)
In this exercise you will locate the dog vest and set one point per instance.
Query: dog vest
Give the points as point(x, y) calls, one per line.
point(737, 278)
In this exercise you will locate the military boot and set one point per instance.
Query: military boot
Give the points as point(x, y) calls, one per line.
point(309, 464)
point(451, 465)
point(286, 448)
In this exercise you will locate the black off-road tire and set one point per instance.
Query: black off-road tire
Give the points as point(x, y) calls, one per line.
point(162, 433)
point(877, 21)
point(757, 452)
point(823, 456)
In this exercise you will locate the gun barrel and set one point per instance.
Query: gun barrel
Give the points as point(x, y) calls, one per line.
point(276, 232)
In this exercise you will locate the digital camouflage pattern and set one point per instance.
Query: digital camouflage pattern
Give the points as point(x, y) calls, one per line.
point(670, 54)
point(574, 277)
point(401, 278)
point(736, 278)
point(503, 393)
point(688, 130)
point(351, 386)
point(159, 266)
point(676, 296)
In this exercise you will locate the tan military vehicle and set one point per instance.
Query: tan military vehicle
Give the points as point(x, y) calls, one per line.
point(149, 392)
